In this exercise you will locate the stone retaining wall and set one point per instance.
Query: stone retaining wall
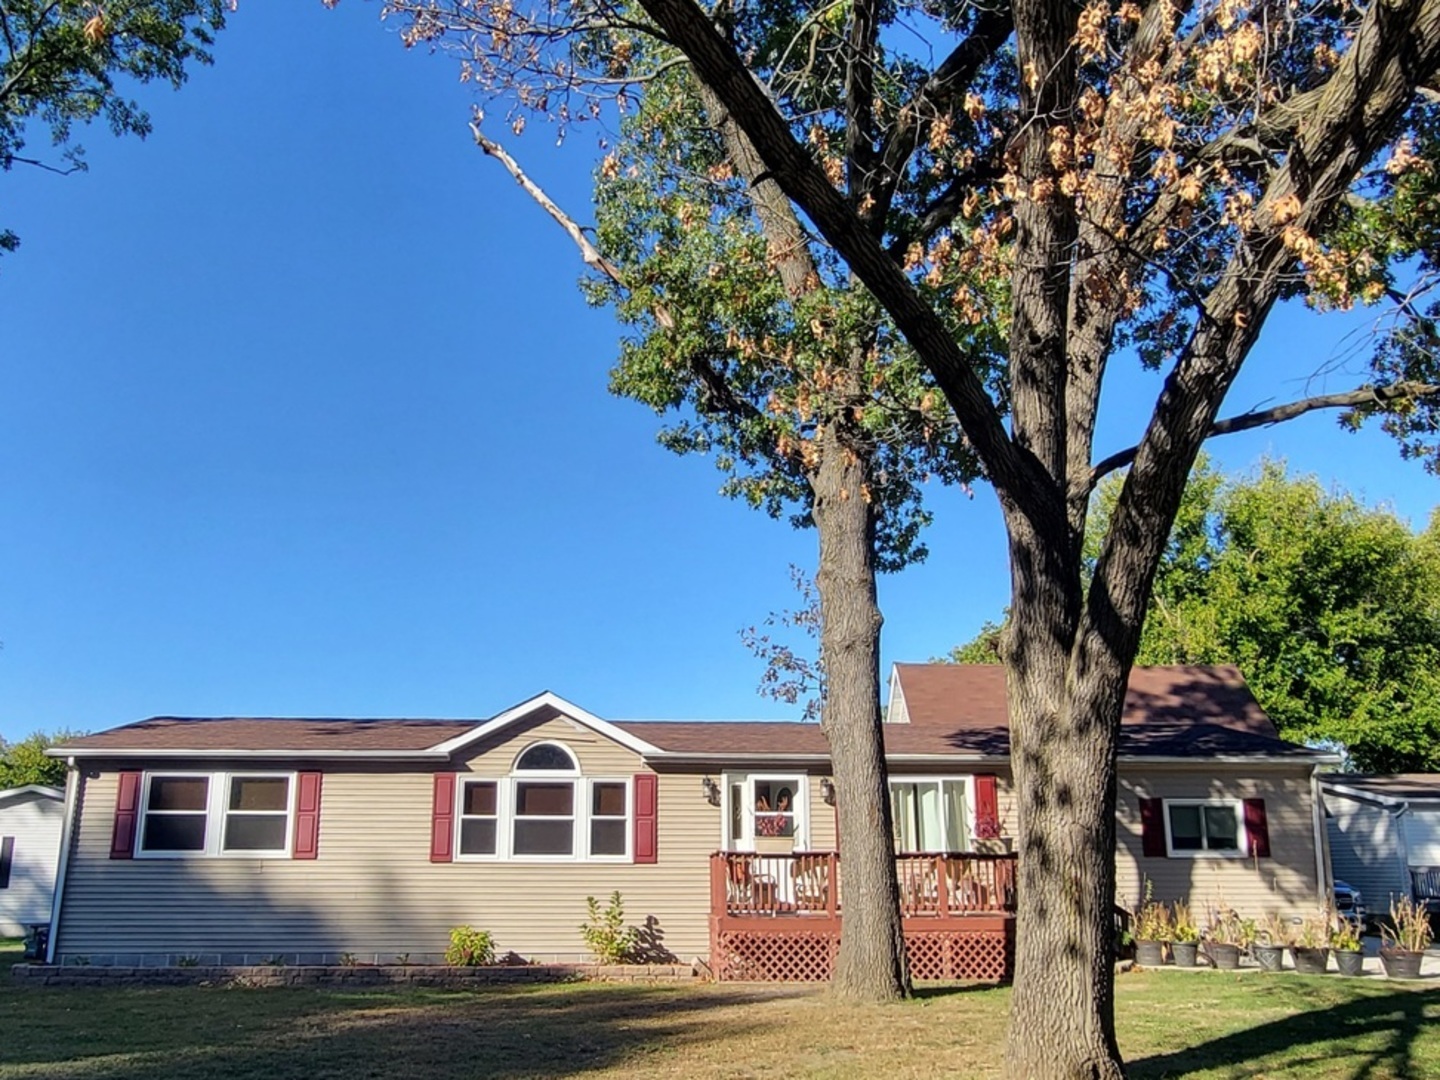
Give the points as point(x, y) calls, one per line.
point(350, 977)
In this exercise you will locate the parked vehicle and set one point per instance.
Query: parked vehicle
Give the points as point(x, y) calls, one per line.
point(1349, 904)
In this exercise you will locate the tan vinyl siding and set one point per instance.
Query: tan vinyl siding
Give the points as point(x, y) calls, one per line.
point(1285, 883)
point(373, 889)
point(822, 818)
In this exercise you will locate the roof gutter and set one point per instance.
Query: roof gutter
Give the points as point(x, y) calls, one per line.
point(75, 779)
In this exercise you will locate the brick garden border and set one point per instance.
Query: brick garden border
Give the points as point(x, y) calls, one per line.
point(350, 977)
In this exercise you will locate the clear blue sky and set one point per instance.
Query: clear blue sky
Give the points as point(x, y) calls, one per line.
point(301, 413)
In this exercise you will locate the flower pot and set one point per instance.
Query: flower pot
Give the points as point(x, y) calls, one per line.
point(1350, 961)
point(1269, 957)
point(1401, 963)
point(1225, 956)
point(1149, 953)
point(1310, 961)
point(1185, 953)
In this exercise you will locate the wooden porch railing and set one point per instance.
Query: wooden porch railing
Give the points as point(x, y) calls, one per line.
point(809, 883)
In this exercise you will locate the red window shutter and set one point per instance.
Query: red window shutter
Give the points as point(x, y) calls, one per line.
point(987, 808)
point(1257, 828)
point(127, 816)
point(647, 839)
point(307, 817)
point(1152, 828)
point(442, 820)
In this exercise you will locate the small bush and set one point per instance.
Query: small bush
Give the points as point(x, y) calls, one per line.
point(605, 932)
point(470, 947)
point(188, 961)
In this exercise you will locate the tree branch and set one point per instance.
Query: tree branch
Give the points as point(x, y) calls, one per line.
point(1014, 473)
point(1364, 395)
point(716, 391)
point(939, 95)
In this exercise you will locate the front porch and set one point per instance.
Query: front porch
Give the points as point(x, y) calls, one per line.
point(777, 918)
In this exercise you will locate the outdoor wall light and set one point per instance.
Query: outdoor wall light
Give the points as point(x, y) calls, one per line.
point(711, 791)
point(827, 790)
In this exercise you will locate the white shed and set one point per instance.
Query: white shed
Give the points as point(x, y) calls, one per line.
point(31, 818)
point(1381, 828)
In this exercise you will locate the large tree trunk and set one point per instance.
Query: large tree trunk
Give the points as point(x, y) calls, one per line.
point(1062, 746)
point(871, 965)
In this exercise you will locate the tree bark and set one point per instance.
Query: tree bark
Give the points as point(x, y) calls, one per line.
point(1062, 749)
point(871, 965)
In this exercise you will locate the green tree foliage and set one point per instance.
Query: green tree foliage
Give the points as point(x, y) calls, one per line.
point(60, 61)
point(24, 762)
point(1330, 608)
point(747, 365)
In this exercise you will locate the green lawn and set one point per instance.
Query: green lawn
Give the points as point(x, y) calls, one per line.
point(1172, 1024)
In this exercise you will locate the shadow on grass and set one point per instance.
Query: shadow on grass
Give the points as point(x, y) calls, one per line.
point(929, 991)
point(1368, 1037)
point(283, 1034)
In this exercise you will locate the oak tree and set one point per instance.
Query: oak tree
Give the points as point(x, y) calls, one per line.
point(1113, 178)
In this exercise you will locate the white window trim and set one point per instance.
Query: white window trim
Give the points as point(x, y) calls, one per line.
point(967, 779)
point(461, 816)
point(506, 799)
point(629, 819)
point(1242, 834)
point(746, 780)
point(217, 800)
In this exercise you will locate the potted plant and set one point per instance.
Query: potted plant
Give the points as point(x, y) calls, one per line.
point(1405, 939)
point(1345, 942)
point(1310, 947)
point(1186, 945)
point(1152, 931)
point(1269, 945)
point(1226, 936)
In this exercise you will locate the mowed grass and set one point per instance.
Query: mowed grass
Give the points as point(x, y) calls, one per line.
point(1172, 1024)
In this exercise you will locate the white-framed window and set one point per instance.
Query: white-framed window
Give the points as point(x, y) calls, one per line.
point(610, 829)
point(931, 813)
point(544, 811)
point(216, 815)
point(1197, 828)
point(479, 818)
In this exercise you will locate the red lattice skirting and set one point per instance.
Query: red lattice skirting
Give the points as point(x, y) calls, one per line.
point(782, 954)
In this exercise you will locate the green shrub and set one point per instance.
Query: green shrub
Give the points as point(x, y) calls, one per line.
point(470, 947)
point(605, 932)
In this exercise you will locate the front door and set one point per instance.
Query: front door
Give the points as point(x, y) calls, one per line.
point(766, 812)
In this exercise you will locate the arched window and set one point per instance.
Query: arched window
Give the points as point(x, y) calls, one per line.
point(546, 757)
point(545, 809)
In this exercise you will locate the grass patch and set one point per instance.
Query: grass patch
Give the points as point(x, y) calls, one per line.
point(1202, 1025)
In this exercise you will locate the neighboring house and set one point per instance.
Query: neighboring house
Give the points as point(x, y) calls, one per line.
point(1385, 836)
point(31, 818)
point(311, 838)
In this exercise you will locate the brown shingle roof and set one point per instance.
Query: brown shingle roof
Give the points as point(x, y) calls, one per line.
point(961, 709)
point(953, 708)
point(274, 734)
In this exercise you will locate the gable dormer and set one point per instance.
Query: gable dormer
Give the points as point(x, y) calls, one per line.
point(897, 713)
